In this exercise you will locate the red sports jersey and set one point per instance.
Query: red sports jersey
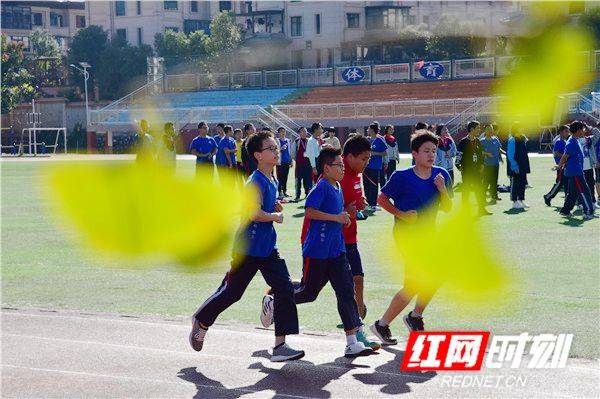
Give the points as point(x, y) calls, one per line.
point(353, 192)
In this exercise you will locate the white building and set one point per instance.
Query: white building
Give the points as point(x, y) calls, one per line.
point(61, 18)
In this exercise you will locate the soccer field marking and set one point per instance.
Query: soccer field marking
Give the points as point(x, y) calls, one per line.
point(152, 380)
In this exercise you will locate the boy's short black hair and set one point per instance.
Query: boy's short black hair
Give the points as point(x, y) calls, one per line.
point(300, 128)
point(439, 128)
point(203, 125)
point(420, 126)
point(236, 130)
point(374, 126)
point(255, 143)
point(356, 145)
point(266, 129)
point(227, 128)
point(315, 126)
point(388, 127)
point(327, 156)
point(576, 126)
point(421, 137)
point(248, 126)
point(280, 128)
point(562, 128)
point(221, 125)
point(472, 125)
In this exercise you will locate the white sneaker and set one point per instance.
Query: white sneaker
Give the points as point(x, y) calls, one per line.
point(266, 316)
point(517, 205)
point(524, 205)
point(357, 349)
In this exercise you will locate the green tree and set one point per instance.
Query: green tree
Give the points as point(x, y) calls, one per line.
point(17, 83)
point(88, 45)
point(590, 19)
point(45, 61)
point(172, 46)
point(120, 66)
point(43, 44)
point(225, 35)
point(454, 38)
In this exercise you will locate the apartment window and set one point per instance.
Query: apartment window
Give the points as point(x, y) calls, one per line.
point(57, 20)
point(122, 34)
point(140, 38)
point(248, 7)
point(318, 24)
point(353, 20)
point(119, 8)
point(224, 5)
point(80, 21)
point(170, 5)
point(296, 26)
point(318, 58)
point(16, 17)
point(37, 19)
point(193, 6)
point(410, 19)
point(138, 7)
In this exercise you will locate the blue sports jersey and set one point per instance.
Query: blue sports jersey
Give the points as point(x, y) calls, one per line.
point(574, 166)
point(408, 192)
point(284, 146)
point(491, 145)
point(559, 146)
point(203, 145)
point(324, 239)
point(377, 145)
point(226, 143)
point(259, 238)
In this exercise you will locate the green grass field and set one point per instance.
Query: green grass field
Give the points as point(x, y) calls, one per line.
point(557, 263)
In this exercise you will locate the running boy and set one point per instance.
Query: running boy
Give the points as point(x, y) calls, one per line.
point(255, 249)
point(324, 252)
point(422, 187)
point(558, 151)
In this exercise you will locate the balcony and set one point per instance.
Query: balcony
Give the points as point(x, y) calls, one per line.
point(260, 26)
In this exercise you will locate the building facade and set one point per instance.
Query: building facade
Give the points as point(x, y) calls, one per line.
point(61, 18)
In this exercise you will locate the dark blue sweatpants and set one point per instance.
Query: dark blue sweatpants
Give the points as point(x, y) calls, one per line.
point(316, 273)
point(243, 269)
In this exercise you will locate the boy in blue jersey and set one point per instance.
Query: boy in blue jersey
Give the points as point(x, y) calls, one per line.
point(414, 195)
point(283, 169)
point(572, 162)
point(324, 251)
point(255, 250)
point(558, 151)
point(371, 174)
point(227, 149)
point(204, 148)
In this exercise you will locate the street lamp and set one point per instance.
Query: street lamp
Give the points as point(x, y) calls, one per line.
point(86, 76)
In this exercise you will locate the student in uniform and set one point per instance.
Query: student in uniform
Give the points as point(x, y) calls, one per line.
point(283, 169)
point(572, 162)
point(204, 148)
point(558, 150)
point(324, 252)
point(255, 250)
point(413, 196)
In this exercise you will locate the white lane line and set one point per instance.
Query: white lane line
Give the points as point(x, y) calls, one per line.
point(201, 354)
point(152, 380)
point(215, 329)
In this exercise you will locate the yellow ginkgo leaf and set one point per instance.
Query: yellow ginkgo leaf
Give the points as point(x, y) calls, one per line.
point(144, 211)
point(452, 254)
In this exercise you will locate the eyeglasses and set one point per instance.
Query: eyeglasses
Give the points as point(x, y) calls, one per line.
point(340, 165)
point(273, 149)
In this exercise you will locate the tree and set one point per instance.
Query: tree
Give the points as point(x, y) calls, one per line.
point(43, 44)
point(172, 46)
point(454, 38)
point(17, 83)
point(590, 19)
point(225, 35)
point(45, 61)
point(119, 66)
point(88, 45)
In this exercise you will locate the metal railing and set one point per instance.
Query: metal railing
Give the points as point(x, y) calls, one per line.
point(140, 93)
point(391, 73)
point(400, 109)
